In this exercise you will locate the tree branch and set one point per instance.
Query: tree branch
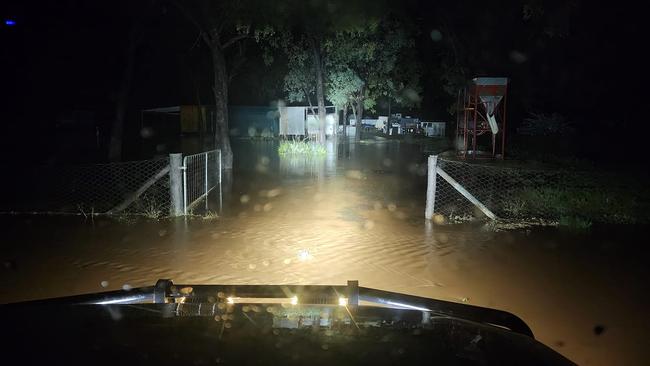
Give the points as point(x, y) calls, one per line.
point(234, 40)
point(311, 106)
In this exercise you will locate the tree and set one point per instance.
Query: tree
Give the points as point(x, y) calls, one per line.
point(370, 61)
point(223, 26)
point(305, 77)
point(300, 82)
point(122, 97)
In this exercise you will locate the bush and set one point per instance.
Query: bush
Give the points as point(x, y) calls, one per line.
point(591, 204)
point(575, 222)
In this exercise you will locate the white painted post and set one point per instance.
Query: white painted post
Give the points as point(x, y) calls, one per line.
point(206, 181)
point(220, 188)
point(431, 187)
point(175, 185)
point(466, 194)
point(184, 167)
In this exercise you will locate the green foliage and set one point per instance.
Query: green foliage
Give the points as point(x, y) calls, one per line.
point(295, 147)
point(593, 204)
point(575, 222)
point(378, 60)
point(210, 215)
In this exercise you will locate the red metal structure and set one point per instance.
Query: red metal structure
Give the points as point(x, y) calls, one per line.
point(481, 118)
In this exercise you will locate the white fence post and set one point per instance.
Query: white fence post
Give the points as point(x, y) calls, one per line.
point(175, 185)
point(184, 167)
point(431, 187)
point(206, 181)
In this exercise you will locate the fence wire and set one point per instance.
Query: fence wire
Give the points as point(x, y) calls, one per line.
point(516, 193)
point(95, 188)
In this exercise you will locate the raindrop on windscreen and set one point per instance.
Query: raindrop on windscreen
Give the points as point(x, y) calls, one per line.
point(146, 132)
point(517, 57)
point(127, 287)
point(244, 199)
point(104, 284)
point(436, 35)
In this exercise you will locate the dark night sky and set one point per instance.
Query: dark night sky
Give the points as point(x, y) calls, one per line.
point(66, 55)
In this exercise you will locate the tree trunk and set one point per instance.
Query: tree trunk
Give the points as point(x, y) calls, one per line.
point(320, 93)
point(220, 90)
point(117, 130)
point(345, 120)
point(358, 116)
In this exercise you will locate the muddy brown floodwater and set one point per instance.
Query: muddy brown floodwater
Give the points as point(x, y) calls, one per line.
point(356, 214)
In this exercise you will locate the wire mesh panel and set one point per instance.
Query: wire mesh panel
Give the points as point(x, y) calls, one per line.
point(135, 187)
point(202, 173)
point(525, 193)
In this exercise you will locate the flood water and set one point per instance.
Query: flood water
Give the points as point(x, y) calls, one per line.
point(356, 214)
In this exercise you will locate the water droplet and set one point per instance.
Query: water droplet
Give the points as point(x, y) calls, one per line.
point(518, 57)
point(436, 35)
point(268, 207)
point(104, 284)
point(287, 261)
point(392, 207)
point(244, 199)
point(127, 287)
point(438, 219)
point(162, 232)
point(354, 174)
point(146, 132)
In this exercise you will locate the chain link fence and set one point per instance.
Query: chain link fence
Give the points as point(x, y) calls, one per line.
point(98, 188)
point(133, 187)
point(523, 194)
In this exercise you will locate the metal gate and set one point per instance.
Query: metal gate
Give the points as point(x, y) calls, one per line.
point(201, 174)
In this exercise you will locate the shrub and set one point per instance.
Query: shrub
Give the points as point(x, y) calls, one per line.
point(303, 147)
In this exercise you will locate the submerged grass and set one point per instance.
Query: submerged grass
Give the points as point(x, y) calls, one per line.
point(304, 147)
